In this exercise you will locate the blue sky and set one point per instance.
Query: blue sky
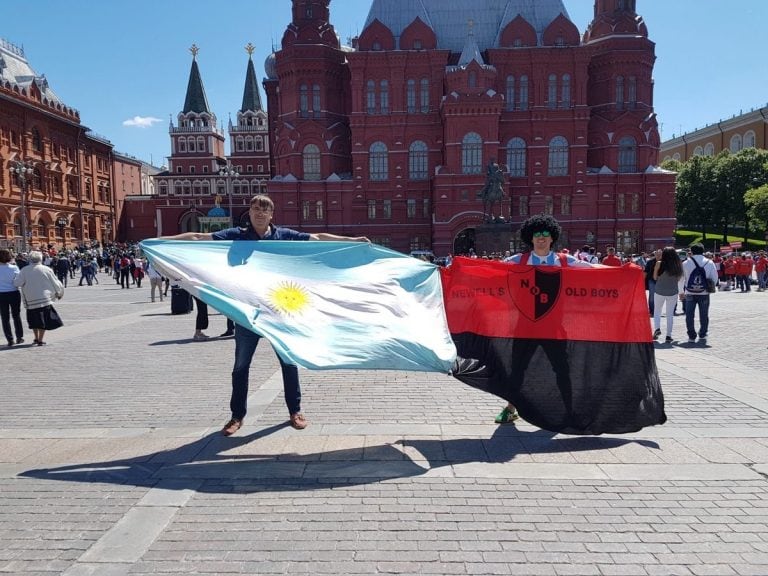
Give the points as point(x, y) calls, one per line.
point(119, 61)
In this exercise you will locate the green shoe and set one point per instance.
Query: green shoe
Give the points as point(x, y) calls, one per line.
point(507, 416)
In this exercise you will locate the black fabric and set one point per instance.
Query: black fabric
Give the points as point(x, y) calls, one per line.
point(181, 301)
point(45, 318)
point(574, 387)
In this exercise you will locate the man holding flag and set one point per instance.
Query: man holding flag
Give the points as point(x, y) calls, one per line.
point(260, 227)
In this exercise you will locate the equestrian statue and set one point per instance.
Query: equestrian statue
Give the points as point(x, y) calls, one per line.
point(493, 191)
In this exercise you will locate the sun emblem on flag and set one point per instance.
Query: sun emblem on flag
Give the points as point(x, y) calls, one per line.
point(288, 298)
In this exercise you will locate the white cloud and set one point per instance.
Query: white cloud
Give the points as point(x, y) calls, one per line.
point(141, 121)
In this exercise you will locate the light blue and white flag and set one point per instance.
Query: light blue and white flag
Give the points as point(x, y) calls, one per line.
point(322, 305)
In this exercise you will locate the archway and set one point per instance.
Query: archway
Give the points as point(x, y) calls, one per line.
point(190, 222)
point(464, 241)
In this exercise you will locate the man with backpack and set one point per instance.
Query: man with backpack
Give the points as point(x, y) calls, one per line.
point(700, 280)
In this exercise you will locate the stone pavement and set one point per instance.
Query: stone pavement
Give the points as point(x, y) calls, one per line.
point(111, 462)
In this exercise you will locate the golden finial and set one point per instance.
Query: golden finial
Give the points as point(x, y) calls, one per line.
point(250, 48)
point(194, 50)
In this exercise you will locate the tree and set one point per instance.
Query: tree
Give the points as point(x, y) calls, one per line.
point(694, 193)
point(756, 201)
point(738, 173)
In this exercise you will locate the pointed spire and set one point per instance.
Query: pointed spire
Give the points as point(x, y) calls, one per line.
point(251, 95)
point(195, 100)
point(471, 50)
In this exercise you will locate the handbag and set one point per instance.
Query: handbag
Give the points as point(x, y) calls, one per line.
point(52, 319)
point(711, 288)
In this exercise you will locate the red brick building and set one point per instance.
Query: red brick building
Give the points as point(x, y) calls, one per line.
point(392, 137)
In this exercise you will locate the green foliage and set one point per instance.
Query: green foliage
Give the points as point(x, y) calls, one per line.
point(756, 201)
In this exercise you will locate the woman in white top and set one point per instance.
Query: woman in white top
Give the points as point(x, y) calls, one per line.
point(668, 274)
point(10, 298)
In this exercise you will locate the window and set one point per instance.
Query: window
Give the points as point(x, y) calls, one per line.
point(239, 144)
point(304, 100)
point(635, 203)
point(558, 157)
point(736, 143)
point(259, 144)
point(370, 97)
point(472, 154)
point(378, 163)
point(749, 139)
point(410, 96)
point(37, 141)
point(387, 212)
point(424, 94)
point(319, 212)
point(620, 204)
point(178, 189)
point(516, 157)
point(316, 98)
point(565, 91)
point(522, 102)
point(548, 206)
point(631, 92)
point(523, 206)
point(627, 241)
point(552, 92)
point(709, 149)
point(510, 104)
point(565, 205)
point(416, 243)
point(627, 154)
point(411, 208)
point(472, 81)
point(371, 209)
point(191, 144)
point(698, 151)
point(417, 161)
point(425, 208)
point(200, 144)
point(249, 144)
point(311, 161)
point(619, 92)
point(305, 210)
point(182, 144)
point(384, 96)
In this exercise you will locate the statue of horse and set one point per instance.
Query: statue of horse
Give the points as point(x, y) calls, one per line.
point(493, 190)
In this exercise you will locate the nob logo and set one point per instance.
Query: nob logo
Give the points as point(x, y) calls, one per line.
point(535, 291)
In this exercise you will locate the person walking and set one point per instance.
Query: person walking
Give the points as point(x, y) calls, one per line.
point(10, 298)
point(260, 227)
point(39, 287)
point(155, 282)
point(62, 269)
point(668, 275)
point(696, 292)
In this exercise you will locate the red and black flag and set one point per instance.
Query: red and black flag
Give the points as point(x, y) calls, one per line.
point(570, 347)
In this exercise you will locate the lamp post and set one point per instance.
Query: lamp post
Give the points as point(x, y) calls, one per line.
point(23, 170)
point(62, 222)
point(229, 172)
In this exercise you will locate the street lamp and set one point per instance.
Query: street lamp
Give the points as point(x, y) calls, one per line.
point(23, 171)
point(229, 172)
point(62, 222)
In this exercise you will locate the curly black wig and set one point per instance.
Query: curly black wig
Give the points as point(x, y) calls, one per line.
point(539, 223)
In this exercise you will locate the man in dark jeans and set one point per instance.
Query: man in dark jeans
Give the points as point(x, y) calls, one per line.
point(260, 227)
point(650, 283)
point(700, 300)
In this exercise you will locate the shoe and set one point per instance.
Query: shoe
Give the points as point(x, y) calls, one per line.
point(19, 340)
point(10, 343)
point(231, 427)
point(227, 333)
point(702, 339)
point(41, 343)
point(200, 337)
point(668, 339)
point(298, 421)
point(507, 416)
point(656, 333)
point(691, 340)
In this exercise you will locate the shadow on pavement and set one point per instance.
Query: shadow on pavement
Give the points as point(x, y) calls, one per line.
point(204, 466)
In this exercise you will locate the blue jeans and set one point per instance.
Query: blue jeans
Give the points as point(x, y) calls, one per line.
point(691, 302)
point(245, 345)
point(651, 292)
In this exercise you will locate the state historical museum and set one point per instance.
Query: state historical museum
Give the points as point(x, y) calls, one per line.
point(394, 137)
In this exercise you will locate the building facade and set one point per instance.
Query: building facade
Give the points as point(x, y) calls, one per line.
point(746, 130)
point(56, 183)
point(393, 137)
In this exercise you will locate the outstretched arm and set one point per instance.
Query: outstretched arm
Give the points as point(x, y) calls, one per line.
point(325, 237)
point(189, 236)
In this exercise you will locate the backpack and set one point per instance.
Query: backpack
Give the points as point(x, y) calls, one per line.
point(697, 280)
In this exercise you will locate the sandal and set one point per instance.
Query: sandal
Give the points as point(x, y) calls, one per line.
point(507, 416)
point(298, 421)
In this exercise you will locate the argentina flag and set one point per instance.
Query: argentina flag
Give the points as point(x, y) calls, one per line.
point(322, 305)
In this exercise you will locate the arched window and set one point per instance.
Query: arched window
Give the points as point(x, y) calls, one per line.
point(259, 144)
point(378, 161)
point(676, 156)
point(370, 97)
point(163, 188)
point(249, 143)
point(558, 157)
point(522, 102)
point(311, 161)
point(472, 154)
point(410, 96)
point(240, 144)
point(627, 154)
point(384, 96)
point(565, 91)
point(424, 89)
point(418, 161)
point(619, 92)
point(316, 98)
point(182, 144)
point(631, 92)
point(303, 100)
point(37, 141)
point(191, 144)
point(698, 151)
point(516, 157)
point(709, 149)
point(749, 139)
point(736, 143)
point(319, 212)
point(200, 144)
point(510, 104)
point(552, 92)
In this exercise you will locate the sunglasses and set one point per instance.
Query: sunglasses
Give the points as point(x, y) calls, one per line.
point(542, 234)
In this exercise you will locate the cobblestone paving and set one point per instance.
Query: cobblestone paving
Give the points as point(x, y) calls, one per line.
point(111, 462)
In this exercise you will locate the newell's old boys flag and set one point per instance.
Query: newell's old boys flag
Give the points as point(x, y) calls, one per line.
point(570, 347)
point(322, 305)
